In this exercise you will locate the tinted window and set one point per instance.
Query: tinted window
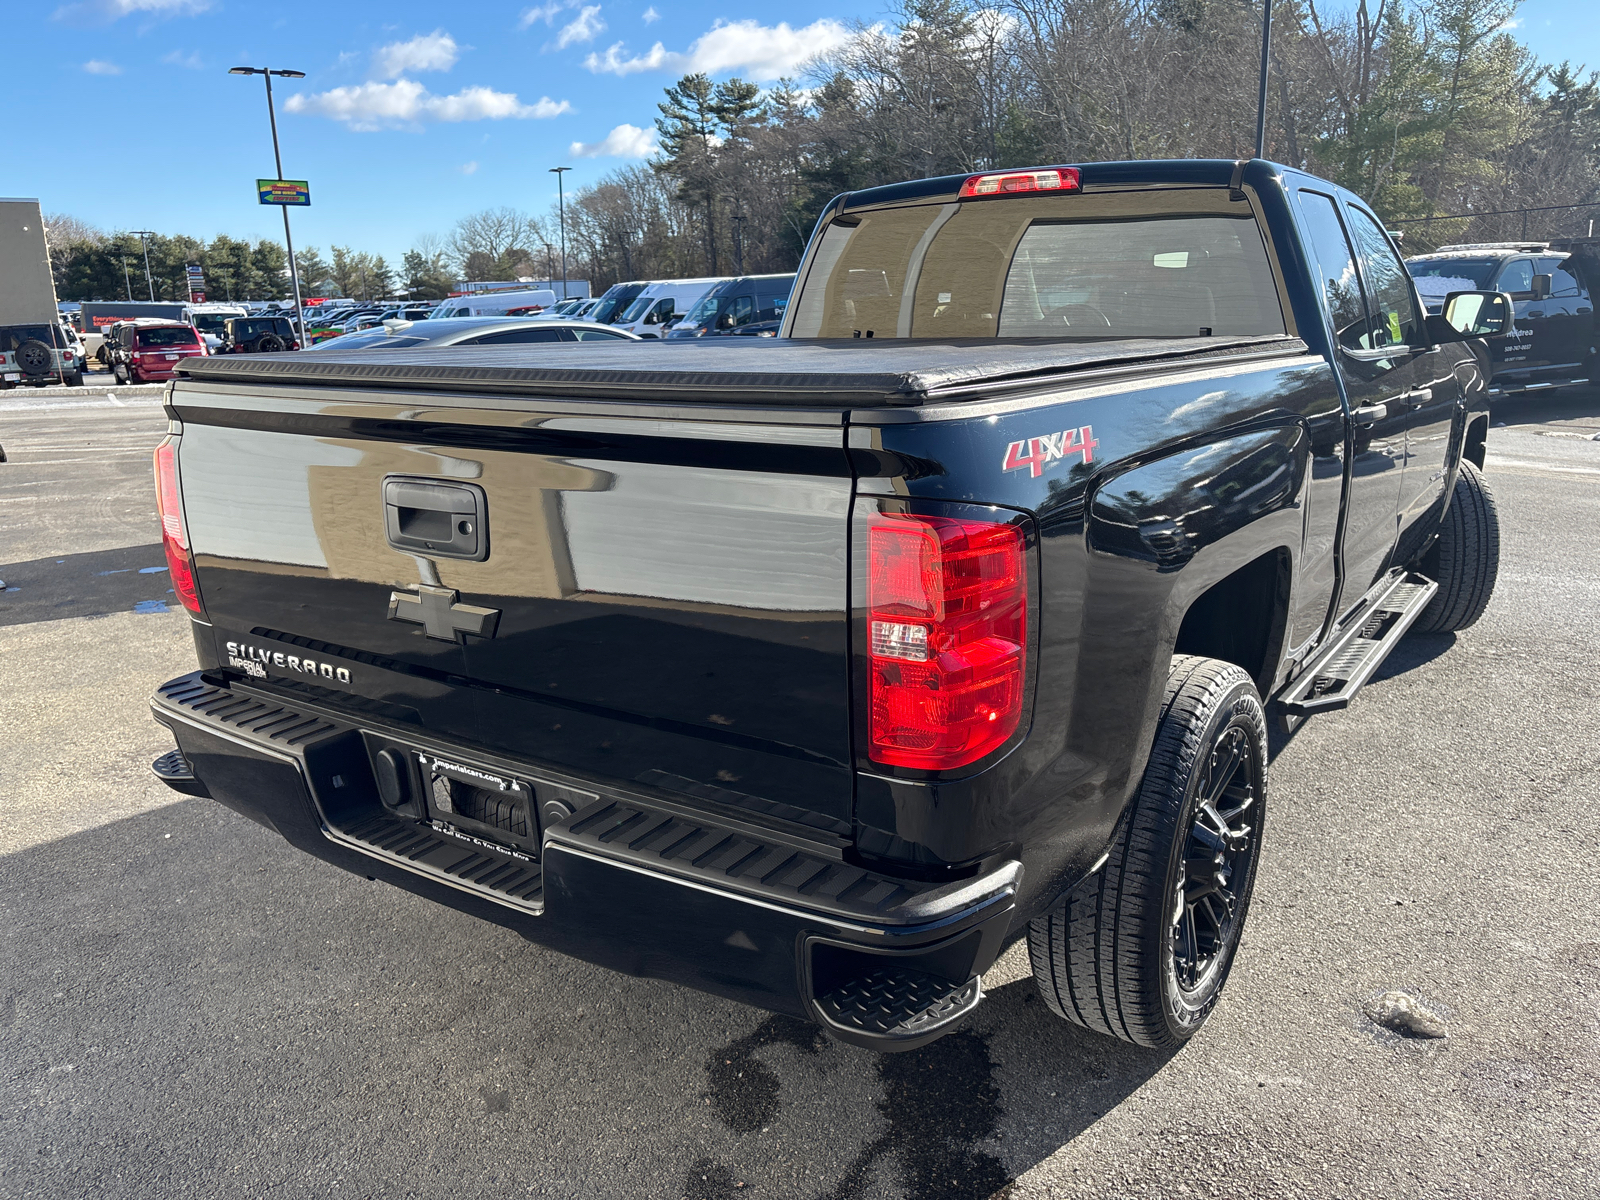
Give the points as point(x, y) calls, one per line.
point(743, 310)
point(515, 337)
point(170, 336)
point(12, 336)
point(209, 322)
point(1517, 277)
point(1396, 321)
point(597, 335)
point(1563, 283)
point(1337, 269)
point(1081, 267)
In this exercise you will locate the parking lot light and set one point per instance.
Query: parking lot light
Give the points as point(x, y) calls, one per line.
point(266, 74)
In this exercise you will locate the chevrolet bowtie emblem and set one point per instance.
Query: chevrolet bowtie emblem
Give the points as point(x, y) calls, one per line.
point(436, 610)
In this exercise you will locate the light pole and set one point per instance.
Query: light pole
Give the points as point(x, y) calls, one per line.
point(277, 158)
point(550, 261)
point(561, 200)
point(142, 235)
point(127, 283)
point(1261, 95)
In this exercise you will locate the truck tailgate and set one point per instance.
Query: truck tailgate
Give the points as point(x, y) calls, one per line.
point(671, 592)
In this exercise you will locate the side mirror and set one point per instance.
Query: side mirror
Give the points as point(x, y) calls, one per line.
point(1473, 315)
point(1541, 287)
point(725, 321)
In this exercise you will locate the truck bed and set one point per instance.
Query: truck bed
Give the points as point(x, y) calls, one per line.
point(827, 373)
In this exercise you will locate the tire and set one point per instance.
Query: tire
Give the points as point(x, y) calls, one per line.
point(270, 343)
point(1465, 558)
point(74, 379)
point(34, 357)
point(1117, 953)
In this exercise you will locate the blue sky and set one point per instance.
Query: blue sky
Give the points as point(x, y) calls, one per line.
point(411, 114)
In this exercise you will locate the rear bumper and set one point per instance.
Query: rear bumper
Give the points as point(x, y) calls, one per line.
point(637, 885)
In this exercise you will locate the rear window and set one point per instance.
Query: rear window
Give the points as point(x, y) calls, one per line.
point(12, 336)
point(171, 335)
point(1076, 268)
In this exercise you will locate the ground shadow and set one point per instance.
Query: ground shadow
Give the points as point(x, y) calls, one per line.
point(1537, 408)
point(176, 985)
point(131, 578)
point(1414, 650)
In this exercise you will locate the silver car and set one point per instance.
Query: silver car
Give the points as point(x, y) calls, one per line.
point(473, 331)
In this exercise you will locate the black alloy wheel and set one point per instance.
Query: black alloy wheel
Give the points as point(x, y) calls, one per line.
point(1218, 861)
point(269, 343)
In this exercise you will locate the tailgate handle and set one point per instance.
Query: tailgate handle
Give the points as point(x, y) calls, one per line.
point(435, 517)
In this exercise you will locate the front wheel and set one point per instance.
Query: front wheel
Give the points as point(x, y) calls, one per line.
point(1140, 950)
point(1466, 557)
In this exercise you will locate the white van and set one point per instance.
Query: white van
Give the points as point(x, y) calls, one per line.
point(662, 303)
point(493, 304)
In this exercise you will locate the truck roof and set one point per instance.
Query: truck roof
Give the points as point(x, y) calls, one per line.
point(819, 372)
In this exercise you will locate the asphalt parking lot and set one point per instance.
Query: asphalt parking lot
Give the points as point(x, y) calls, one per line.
point(188, 1007)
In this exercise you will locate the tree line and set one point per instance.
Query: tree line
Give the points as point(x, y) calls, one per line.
point(1427, 108)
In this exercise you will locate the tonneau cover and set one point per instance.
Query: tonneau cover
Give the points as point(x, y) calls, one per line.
point(849, 373)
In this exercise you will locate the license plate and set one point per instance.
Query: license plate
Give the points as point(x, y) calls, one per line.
point(481, 802)
point(172, 357)
point(12, 378)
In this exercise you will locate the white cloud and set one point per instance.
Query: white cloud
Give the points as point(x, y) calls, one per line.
point(761, 51)
point(651, 16)
point(436, 51)
point(625, 141)
point(585, 27)
point(405, 102)
point(469, 168)
point(112, 10)
point(179, 59)
point(96, 66)
point(546, 12)
point(1512, 23)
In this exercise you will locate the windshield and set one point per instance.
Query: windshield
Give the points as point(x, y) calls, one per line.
point(209, 322)
point(1436, 278)
point(1073, 267)
point(706, 311)
point(614, 302)
point(636, 310)
point(172, 335)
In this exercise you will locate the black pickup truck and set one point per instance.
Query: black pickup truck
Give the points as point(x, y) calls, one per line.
point(814, 671)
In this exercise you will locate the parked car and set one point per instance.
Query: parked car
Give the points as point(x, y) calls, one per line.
point(732, 306)
point(493, 304)
point(615, 301)
point(32, 355)
point(474, 331)
point(815, 671)
point(1551, 285)
point(149, 351)
point(209, 318)
point(658, 305)
point(564, 308)
point(75, 344)
point(258, 335)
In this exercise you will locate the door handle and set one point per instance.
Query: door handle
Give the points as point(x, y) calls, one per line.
point(435, 518)
point(1415, 398)
point(1368, 414)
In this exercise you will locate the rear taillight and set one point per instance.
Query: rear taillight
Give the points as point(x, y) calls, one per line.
point(174, 537)
point(947, 639)
point(1012, 183)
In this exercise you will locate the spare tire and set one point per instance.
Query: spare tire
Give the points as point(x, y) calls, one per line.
point(267, 343)
point(34, 357)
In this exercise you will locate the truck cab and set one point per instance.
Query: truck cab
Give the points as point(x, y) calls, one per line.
point(1551, 288)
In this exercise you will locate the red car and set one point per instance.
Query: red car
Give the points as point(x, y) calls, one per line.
point(148, 352)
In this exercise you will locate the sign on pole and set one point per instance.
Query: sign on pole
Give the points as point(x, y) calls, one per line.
point(197, 283)
point(284, 191)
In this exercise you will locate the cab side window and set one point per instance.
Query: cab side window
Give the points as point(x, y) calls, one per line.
point(1517, 279)
point(743, 310)
point(1336, 269)
point(1567, 294)
point(1395, 319)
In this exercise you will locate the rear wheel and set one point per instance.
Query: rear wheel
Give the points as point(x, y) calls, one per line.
point(74, 379)
point(1140, 950)
point(1466, 557)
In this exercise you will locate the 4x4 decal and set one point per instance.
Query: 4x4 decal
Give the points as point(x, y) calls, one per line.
point(1035, 453)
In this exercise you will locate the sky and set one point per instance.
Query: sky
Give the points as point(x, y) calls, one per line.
point(411, 114)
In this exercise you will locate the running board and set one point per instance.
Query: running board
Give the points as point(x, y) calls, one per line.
point(1359, 647)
